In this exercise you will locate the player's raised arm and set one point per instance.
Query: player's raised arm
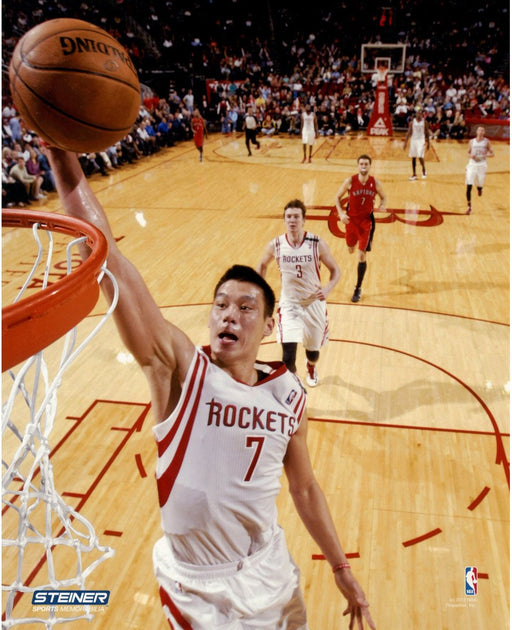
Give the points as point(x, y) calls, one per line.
point(160, 348)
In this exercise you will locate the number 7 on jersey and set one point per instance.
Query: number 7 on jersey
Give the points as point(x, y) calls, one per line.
point(256, 442)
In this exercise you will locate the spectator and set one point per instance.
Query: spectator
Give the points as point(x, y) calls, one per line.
point(32, 183)
point(267, 126)
point(46, 171)
point(458, 131)
point(326, 125)
point(129, 149)
point(14, 192)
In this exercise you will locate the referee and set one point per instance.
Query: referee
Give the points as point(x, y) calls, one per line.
point(251, 129)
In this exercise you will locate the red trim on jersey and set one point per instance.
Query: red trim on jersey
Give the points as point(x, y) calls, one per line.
point(277, 367)
point(174, 610)
point(326, 329)
point(166, 482)
point(296, 246)
point(162, 445)
point(277, 249)
point(300, 406)
point(316, 256)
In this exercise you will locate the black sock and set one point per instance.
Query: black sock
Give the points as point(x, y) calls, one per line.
point(361, 270)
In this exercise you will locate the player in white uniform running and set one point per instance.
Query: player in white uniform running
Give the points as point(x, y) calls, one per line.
point(226, 424)
point(302, 315)
point(309, 132)
point(419, 134)
point(479, 150)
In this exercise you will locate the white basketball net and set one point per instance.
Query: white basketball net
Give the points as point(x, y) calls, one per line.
point(382, 73)
point(46, 526)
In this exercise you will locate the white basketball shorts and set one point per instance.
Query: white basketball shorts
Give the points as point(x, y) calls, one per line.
point(417, 149)
point(260, 592)
point(308, 137)
point(307, 325)
point(475, 173)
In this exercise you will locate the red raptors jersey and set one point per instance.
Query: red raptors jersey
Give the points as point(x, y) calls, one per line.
point(198, 131)
point(361, 198)
point(220, 457)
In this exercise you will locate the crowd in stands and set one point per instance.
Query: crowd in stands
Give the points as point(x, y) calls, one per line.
point(26, 172)
point(223, 56)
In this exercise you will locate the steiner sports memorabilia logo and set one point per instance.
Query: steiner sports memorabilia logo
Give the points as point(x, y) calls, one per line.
point(70, 598)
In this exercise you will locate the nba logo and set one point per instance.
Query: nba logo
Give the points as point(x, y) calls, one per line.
point(291, 396)
point(471, 581)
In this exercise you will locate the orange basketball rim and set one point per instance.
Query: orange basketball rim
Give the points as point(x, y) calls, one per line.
point(34, 322)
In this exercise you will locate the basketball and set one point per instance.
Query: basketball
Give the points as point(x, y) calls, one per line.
point(74, 85)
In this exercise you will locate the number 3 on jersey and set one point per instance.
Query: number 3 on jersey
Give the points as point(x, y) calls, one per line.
point(256, 443)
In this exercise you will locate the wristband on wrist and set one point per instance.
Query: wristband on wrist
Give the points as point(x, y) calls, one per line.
point(343, 565)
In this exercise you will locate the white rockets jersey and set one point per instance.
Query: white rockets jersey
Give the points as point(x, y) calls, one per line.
point(220, 457)
point(418, 130)
point(309, 122)
point(479, 149)
point(299, 267)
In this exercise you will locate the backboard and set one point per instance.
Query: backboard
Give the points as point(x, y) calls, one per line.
point(388, 56)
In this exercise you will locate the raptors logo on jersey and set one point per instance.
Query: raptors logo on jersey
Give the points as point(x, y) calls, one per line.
point(361, 197)
point(220, 456)
point(299, 268)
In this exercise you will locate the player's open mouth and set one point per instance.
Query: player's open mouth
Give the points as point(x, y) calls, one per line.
point(227, 337)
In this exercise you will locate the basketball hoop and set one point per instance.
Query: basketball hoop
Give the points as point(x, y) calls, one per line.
point(35, 328)
point(382, 73)
point(33, 323)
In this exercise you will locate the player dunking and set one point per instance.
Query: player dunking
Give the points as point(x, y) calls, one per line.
point(226, 424)
point(302, 315)
point(479, 150)
point(358, 217)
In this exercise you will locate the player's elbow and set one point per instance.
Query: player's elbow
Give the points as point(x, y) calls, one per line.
point(303, 494)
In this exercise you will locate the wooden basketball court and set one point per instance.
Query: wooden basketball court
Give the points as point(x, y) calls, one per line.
point(409, 426)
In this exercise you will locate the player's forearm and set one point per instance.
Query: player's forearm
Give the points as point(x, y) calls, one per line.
point(314, 512)
point(75, 193)
point(333, 280)
point(337, 202)
point(262, 267)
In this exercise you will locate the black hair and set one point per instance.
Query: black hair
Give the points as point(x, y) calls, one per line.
point(242, 273)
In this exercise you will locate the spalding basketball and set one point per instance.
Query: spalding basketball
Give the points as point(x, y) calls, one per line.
point(74, 85)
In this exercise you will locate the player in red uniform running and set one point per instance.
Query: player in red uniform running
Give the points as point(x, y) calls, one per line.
point(358, 217)
point(199, 130)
